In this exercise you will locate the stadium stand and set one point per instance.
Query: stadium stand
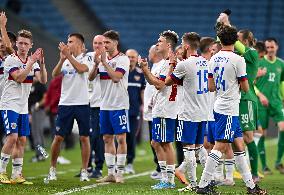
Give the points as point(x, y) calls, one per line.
point(139, 22)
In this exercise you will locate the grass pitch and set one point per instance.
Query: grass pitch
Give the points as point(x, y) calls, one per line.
point(135, 184)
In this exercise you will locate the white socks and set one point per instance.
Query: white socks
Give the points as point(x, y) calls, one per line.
point(110, 162)
point(229, 167)
point(120, 163)
point(190, 159)
point(219, 173)
point(171, 173)
point(163, 167)
point(17, 166)
point(4, 162)
point(210, 167)
point(241, 163)
point(202, 155)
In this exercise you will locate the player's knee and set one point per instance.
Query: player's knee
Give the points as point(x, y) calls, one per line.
point(248, 136)
point(12, 139)
point(84, 139)
point(22, 140)
point(108, 139)
point(58, 139)
point(121, 139)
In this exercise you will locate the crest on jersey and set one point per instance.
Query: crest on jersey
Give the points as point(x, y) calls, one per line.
point(112, 64)
point(57, 128)
point(278, 70)
point(137, 77)
point(13, 125)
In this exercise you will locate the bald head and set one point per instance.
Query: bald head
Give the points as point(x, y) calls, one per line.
point(154, 56)
point(98, 42)
point(133, 56)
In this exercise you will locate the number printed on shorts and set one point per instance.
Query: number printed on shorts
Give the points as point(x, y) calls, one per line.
point(122, 120)
point(245, 118)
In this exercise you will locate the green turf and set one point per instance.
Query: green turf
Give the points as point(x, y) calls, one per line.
point(139, 185)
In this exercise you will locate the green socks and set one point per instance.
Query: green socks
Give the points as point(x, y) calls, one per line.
point(280, 147)
point(261, 151)
point(253, 157)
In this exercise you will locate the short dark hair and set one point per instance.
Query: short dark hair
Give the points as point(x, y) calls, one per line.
point(269, 39)
point(248, 35)
point(228, 35)
point(111, 34)
point(205, 43)
point(171, 37)
point(26, 34)
point(192, 38)
point(260, 46)
point(12, 37)
point(78, 36)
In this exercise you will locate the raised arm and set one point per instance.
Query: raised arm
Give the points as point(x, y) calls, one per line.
point(41, 75)
point(4, 34)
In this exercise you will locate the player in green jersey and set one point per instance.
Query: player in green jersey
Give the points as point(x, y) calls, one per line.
point(270, 103)
point(248, 104)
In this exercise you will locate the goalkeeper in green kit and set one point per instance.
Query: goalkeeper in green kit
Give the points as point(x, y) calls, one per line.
point(270, 103)
point(248, 108)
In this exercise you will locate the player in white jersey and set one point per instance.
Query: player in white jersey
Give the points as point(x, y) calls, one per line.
point(157, 60)
point(227, 75)
point(19, 70)
point(192, 72)
point(113, 70)
point(164, 110)
point(74, 100)
point(96, 140)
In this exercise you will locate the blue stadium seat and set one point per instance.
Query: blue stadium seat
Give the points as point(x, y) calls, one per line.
point(139, 22)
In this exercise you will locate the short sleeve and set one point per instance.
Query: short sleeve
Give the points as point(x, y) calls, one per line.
point(122, 64)
point(211, 68)
point(36, 67)
point(179, 72)
point(241, 69)
point(10, 65)
point(88, 61)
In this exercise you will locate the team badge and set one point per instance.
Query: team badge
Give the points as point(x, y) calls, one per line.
point(13, 125)
point(278, 70)
point(57, 128)
point(137, 78)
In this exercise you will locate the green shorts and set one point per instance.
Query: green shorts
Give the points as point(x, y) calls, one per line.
point(274, 110)
point(248, 115)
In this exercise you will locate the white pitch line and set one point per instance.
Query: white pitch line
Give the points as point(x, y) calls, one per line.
point(99, 184)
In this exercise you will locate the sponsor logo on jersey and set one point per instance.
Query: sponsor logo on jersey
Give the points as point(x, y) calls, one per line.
point(137, 77)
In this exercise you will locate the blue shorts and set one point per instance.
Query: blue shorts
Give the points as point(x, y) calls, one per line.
point(227, 127)
point(66, 116)
point(163, 129)
point(1, 124)
point(113, 122)
point(211, 132)
point(16, 123)
point(193, 132)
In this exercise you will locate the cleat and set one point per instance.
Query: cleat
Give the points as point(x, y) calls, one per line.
point(237, 175)
point(207, 190)
point(4, 178)
point(108, 178)
point(96, 174)
point(119, 178)
point(52, 174)
point(187, 189)
point(129, 169)
point(226, 182)
point(18, 180)
point(156, 175)
point(163, 185)
point(267, 171)
point(256, 190)
point(260, 175)
point(180, 175)
point(280, 168)
point(84, 175)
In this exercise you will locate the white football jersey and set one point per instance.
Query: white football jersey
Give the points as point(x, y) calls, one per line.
point(74, 90)
point(227, 68)
point(15, 95)
point(165, 104)
point(193, 72)
point(150, 91)
point(115, 95)
point(2, 80)
point(94, 86)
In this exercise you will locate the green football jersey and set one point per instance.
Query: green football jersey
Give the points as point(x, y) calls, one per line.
point(269, 84)
point(251, 58)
